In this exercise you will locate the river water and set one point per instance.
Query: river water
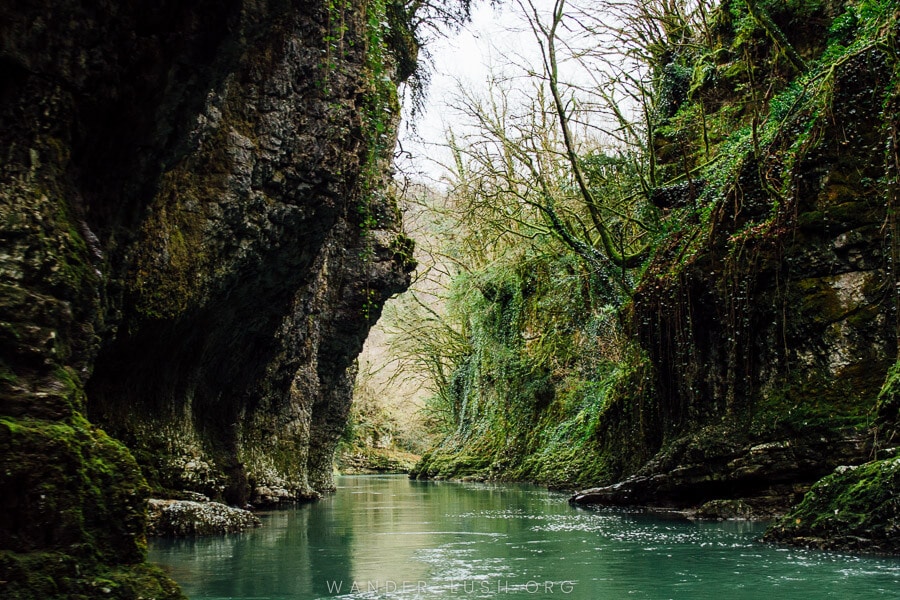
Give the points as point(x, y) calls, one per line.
point(385, 537)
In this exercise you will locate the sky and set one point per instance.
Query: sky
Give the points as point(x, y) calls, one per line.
point(497, 40)
point(493, 37)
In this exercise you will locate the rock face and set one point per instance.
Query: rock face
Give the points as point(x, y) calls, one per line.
point(766, 331)
point(195, 242)
point(765, 478)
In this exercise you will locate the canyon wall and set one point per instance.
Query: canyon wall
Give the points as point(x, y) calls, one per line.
point(196, 239)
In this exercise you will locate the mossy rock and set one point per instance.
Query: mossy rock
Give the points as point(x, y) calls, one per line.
point(364, 460)
point(564, 468)
point(855, 508)
point(190, 518)
point(728, 509)
point(441, 464)
point(68, 487)
point(888, 404)
point(72, 519)
point(52, 576)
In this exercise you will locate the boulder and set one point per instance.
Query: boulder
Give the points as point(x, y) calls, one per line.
point(180, 518)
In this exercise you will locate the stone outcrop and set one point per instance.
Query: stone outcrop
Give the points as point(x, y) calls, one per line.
point(766, 478)
point(182, 518)
point(853, 509)
point(195, 241)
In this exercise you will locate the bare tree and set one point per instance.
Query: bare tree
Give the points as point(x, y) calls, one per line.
point(572, 158)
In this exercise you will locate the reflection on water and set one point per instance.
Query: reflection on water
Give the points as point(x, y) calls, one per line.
point(391, 538)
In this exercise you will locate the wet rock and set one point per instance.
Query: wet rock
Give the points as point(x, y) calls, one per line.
point(268, 496)
point(722, 510)
point(195, 242)
point(195, 497)
point(776, 318)
point(713, 465)
point(181, 518)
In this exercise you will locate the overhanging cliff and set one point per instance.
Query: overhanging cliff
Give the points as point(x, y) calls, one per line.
point(196, 240)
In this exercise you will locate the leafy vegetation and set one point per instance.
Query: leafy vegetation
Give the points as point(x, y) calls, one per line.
point(592, 220)
point(87, 485)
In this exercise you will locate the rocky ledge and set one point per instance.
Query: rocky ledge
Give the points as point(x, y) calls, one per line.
point(699, 472)
point(182, 518)
point(853, 509)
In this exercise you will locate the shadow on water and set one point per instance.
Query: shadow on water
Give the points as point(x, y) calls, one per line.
point(388, 537)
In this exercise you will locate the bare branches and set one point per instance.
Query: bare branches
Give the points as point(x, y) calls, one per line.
point(519, 161)
point(546, 37)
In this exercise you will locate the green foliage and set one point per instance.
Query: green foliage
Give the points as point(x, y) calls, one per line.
point(672, 88)
point(380, 107)
point(528, 394)
point(887, 407)
point(403, 252)
point(370, 424)
point(550, 388)
point(772, 129)
point(565, 448)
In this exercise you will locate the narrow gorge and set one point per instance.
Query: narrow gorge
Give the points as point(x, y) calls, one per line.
point(696, 310)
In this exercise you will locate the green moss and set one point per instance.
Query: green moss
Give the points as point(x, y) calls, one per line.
point(818, 407)
point(169, 271)
point(74, 518)
point(888, 404)
point(565, 466)
point(441, 464)
point(46, 216)
point(403, 248)
point(58, 576)
point(838, 214)
point(568, 443)
point(72, 475)
point(820, 301)
point(853, 508)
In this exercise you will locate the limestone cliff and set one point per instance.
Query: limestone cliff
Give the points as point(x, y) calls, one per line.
point(195, 241)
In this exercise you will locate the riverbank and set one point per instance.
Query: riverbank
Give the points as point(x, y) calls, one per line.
point(362, 460)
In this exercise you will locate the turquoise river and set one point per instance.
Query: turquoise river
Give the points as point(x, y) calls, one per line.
point(385, 537)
